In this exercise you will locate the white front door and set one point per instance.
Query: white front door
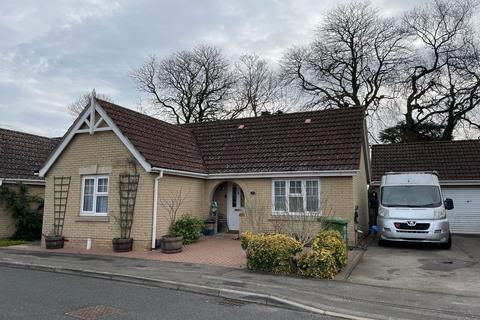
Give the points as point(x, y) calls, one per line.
point(235, 200)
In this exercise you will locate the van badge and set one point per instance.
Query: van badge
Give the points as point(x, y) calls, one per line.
point(411, 223)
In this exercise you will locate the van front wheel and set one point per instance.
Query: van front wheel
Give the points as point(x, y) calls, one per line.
point(447, 245)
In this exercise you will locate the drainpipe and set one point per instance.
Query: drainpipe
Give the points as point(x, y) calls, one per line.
point(155, 209)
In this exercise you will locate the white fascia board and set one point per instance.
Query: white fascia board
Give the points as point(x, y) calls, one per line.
point(24, 181)
point(366, 151)
point(447, 183)
point(73, 131)
point(58, 151)
point(253, 175)
point(284, 174)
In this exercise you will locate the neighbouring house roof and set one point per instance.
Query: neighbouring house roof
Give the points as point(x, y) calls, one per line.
point(329, 140)
point(453, 160)
point(22, 154)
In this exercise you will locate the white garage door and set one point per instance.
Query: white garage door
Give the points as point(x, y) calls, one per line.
point(465, 218)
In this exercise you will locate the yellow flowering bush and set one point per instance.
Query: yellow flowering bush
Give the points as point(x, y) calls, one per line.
point(244, 238)
point(271, 252)
point(317, 264)
point(332, 241)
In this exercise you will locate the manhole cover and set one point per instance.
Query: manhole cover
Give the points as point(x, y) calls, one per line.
point(94, 312)
point(233, 302)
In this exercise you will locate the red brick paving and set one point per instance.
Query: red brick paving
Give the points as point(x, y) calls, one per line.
point(219, 250)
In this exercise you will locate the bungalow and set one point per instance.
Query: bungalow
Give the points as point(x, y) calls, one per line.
point(458, 167)
point(21, 155)
point(281, 163)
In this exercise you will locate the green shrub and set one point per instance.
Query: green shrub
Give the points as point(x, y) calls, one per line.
point(271, 253)
point(317, 264)
point(332, 241)
point(189, 227)
point(26, 210)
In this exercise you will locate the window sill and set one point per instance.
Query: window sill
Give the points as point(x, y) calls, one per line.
point(92, 219)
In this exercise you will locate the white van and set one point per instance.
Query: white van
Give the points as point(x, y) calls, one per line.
point(412, 208)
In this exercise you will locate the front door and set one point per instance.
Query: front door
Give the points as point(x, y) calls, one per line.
point(236, 201)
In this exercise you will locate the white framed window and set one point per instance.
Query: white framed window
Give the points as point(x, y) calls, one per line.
point(94, 200)
point(296, 196)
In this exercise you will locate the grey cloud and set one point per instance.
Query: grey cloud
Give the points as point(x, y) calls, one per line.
point(53, 51)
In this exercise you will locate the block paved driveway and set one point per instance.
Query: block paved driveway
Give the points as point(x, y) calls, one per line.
point(219, 250)
point(423, 267)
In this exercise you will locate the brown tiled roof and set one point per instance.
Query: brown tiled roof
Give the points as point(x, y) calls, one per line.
point(331, 141)
point(453, 160)
point(22, 154)
point(163, 145)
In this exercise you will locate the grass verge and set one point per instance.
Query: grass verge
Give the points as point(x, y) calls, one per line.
point(8, 243)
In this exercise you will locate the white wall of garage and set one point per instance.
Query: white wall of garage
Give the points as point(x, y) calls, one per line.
point(465, 217)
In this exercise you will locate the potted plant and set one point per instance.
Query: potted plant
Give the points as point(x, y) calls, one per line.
point(128, 184)
point(61, 186)
point(172, 242)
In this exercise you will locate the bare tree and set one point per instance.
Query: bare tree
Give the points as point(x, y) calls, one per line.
point(172, 203)
point(258, 87)
point(351, 62)
point(76, 107)
point(442, 78)
point(190, 85)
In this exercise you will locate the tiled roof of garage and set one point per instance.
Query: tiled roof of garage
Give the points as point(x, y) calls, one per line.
point(22, 154)
point(329, 140)
point(453, 160)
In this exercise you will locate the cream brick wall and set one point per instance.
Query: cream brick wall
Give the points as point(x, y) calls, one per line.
point(194, 204)
point(336, 196)
point(7, 224)
point(102, 153)
point(360, 192)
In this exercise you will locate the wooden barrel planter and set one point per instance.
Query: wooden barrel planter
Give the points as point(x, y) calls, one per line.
point(172, 244)
point(122, 245)
point(54, 242)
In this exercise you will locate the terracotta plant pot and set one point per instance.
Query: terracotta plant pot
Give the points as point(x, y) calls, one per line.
point(122, 245)
point(54, 242)
point(172, 244)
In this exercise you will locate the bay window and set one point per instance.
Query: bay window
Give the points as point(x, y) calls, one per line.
point(94, 199)
point(296, 196)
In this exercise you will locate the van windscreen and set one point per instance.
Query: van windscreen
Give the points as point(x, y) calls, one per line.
point(411, 196)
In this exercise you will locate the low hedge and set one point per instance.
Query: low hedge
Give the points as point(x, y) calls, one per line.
point(332, 241)
point(317, 264)
point(270, 253)
point(189, 227)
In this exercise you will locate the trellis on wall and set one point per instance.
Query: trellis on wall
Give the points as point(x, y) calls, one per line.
point(128, 194)
point(60, 196)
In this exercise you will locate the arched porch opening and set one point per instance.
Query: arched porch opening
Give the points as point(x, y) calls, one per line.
point(230, 204)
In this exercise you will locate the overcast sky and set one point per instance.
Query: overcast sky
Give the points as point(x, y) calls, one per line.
point(53, 51)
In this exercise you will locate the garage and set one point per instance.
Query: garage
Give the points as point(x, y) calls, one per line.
point(465, 217)
point(457, 164)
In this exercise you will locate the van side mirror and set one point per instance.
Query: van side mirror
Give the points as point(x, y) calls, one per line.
point(448, 204)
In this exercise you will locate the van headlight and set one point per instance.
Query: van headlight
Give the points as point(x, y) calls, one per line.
point(440, 213)
point(383, 212)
